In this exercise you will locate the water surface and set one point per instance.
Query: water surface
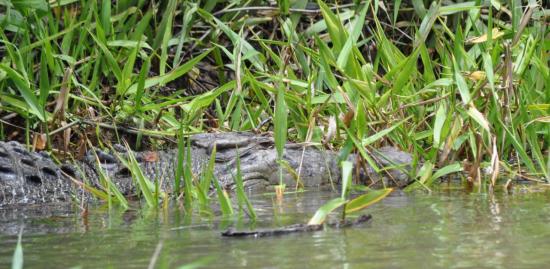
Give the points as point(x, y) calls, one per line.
point(446, 229)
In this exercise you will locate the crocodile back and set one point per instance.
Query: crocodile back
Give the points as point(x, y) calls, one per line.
point(29, 177)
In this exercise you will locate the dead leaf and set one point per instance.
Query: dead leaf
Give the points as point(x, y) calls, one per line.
point(476, 75)
point(150, 156)
point(279, 191)
point(483, 38)
point(62, 98)
point(66, 136)
point(348, 117)
point(331, 130)
point(12, 135)
point(495, 165)
point(39, 141)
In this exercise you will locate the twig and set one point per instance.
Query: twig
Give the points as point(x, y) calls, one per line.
point(296, 228)
point(425, 102)
point(128, 130)
point(62, 128)
point(155, 256)
point(271, 8)
point(15, 126)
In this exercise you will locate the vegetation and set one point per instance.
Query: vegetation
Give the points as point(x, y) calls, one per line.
point(462, 86)
point(349, 205)
point(17, 260)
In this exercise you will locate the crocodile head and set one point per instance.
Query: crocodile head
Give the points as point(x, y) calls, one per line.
point(29, 177)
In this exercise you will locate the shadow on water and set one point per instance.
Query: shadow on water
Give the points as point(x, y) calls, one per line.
point(447, 229)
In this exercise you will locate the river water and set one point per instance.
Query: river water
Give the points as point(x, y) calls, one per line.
point(449, 228)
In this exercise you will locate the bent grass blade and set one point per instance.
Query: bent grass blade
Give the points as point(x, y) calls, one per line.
point(322, 213)
point(106, 184)
point(223, 198)
point(347, 168)
point(241, 195)
point(112, 189)
point(367, 199)
point(280, 132)
point(188, 176)
point(146, 187)
point(17, 259)
point(170, 76)
point(353, 205)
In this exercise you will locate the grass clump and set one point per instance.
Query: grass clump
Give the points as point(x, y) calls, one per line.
point(462, 86)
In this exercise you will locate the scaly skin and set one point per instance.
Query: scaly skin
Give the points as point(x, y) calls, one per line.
point(31, 178)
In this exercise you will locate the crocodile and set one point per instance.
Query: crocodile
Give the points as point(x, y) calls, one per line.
point(33, 177)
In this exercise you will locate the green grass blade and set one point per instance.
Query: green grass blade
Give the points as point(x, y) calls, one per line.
point(405, 71)
point(44, 81)
point(446, 170)
point(178, 174)
point(334, 26)
point(241, 195)
point(106, 16)
point(188, 176)
point(111, 61)
point(419, 8)
point(284, 6)
point(145, 186)
point(479, 118)
point(17, 259)
point(488, 66)
point(223, 199)
point(365, 200)
point(461, 84)
point(141, 84)
point(354, 35)
point(322, 213)
point(375, 137)
point(170, 76)
point(426, 25)
point(207, 98)
point(347, 168)
point(280, 127)
point(165, 33)
point(247, 49)
point(524, 157)
point(425, 173)
point(209, 172)
point(440, 118)
point(23, 86)
point(111, 188)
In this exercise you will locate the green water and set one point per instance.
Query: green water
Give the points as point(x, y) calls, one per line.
point(448, 229)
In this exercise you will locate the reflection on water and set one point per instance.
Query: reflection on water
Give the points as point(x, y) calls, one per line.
point(445, 229)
